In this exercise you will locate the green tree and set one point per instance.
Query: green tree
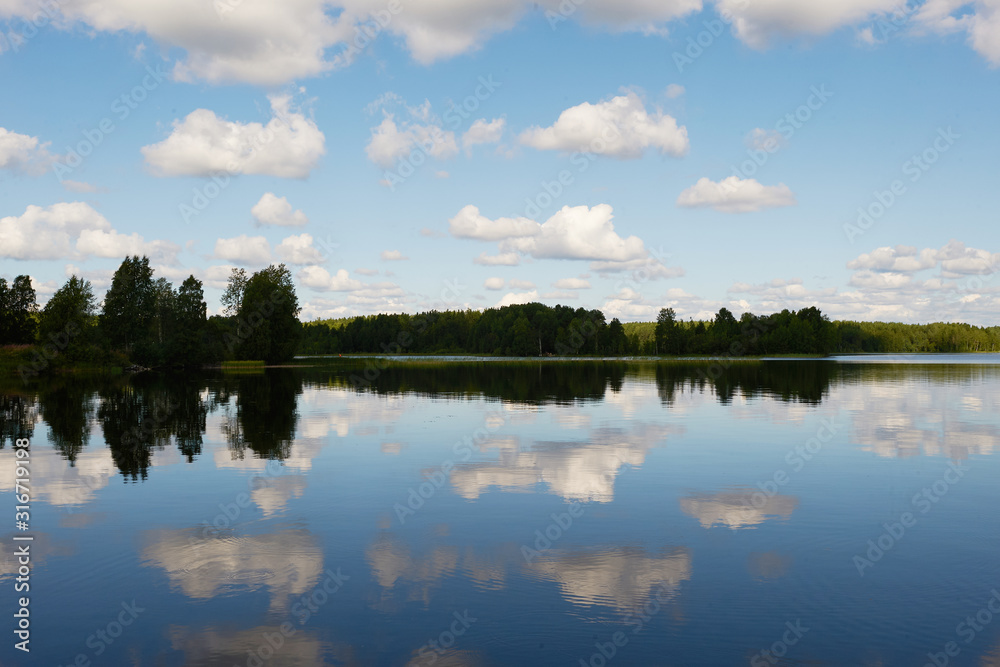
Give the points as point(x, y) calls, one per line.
point(68, 318)
point(130, 305)
point(666, 332)
point(17, 312)
point(267, 325)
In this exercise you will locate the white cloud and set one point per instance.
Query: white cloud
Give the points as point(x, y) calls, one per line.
point(514, 283)
point(320, 279)
point(901, 259)
point(24, 154)
point(366, 272)
point(274, 210)
point(494, 283)
point(244, 250)
point(72, 230)
point(578, 232)
point(484, 132)
point(619, 127)
point(289, 146)
point(764, 140)
point(760, 22)
point(79, 186)
point(735, 195)
point(299, 250)
point(571, 284)
point(391, 141)
point(674, 91)
point(978, 19)
point(469, 223)
point(561, 294)
point(515, 298)
point(503, 259)
point(112, 244)
point(880, 280)
point(957, 260)
point(392, 256)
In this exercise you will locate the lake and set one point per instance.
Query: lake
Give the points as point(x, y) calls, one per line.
point(791, 512)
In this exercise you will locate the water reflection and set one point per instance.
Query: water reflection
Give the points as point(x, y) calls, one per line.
point(619, 577)
point(215, 646)
point(575, 470)
point(737, 508)
point(203, 564)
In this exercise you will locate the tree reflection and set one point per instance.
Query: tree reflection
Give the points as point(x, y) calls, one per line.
point(265, 415)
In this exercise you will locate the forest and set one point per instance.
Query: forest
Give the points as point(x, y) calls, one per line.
point(147, 322)
point(535, 329)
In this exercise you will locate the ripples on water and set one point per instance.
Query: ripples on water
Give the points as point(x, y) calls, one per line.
point(471, 513)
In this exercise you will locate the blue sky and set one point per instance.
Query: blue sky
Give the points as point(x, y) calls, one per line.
point(423, 170)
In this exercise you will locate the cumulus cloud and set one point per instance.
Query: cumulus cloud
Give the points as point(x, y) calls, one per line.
point(276, 211)
point(420, 131)
point(578, 232)
point(901, 259)
point(735, 195)
point(978, 19)
point(958, 260)
point(112, 244)
point(288, 146)
point(484, 132)
point(494, 283)
point(469, 223)
point(320, 279)
point(392, 256)
point(761, 22)
point(516, 298)
point(79, 186)
point(75, 230)
point(620, 127)
point(571, 284)
point(954, 258)
point(674, 91)
point(299, 250)
point(24, 154)
point(245, 250)
point(503, 259)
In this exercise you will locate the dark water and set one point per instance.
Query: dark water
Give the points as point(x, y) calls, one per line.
point(512, 514)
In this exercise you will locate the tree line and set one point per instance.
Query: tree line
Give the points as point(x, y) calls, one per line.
point(535, 329)
point(147, 321)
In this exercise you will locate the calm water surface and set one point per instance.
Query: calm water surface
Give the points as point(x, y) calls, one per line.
point(826, 512)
